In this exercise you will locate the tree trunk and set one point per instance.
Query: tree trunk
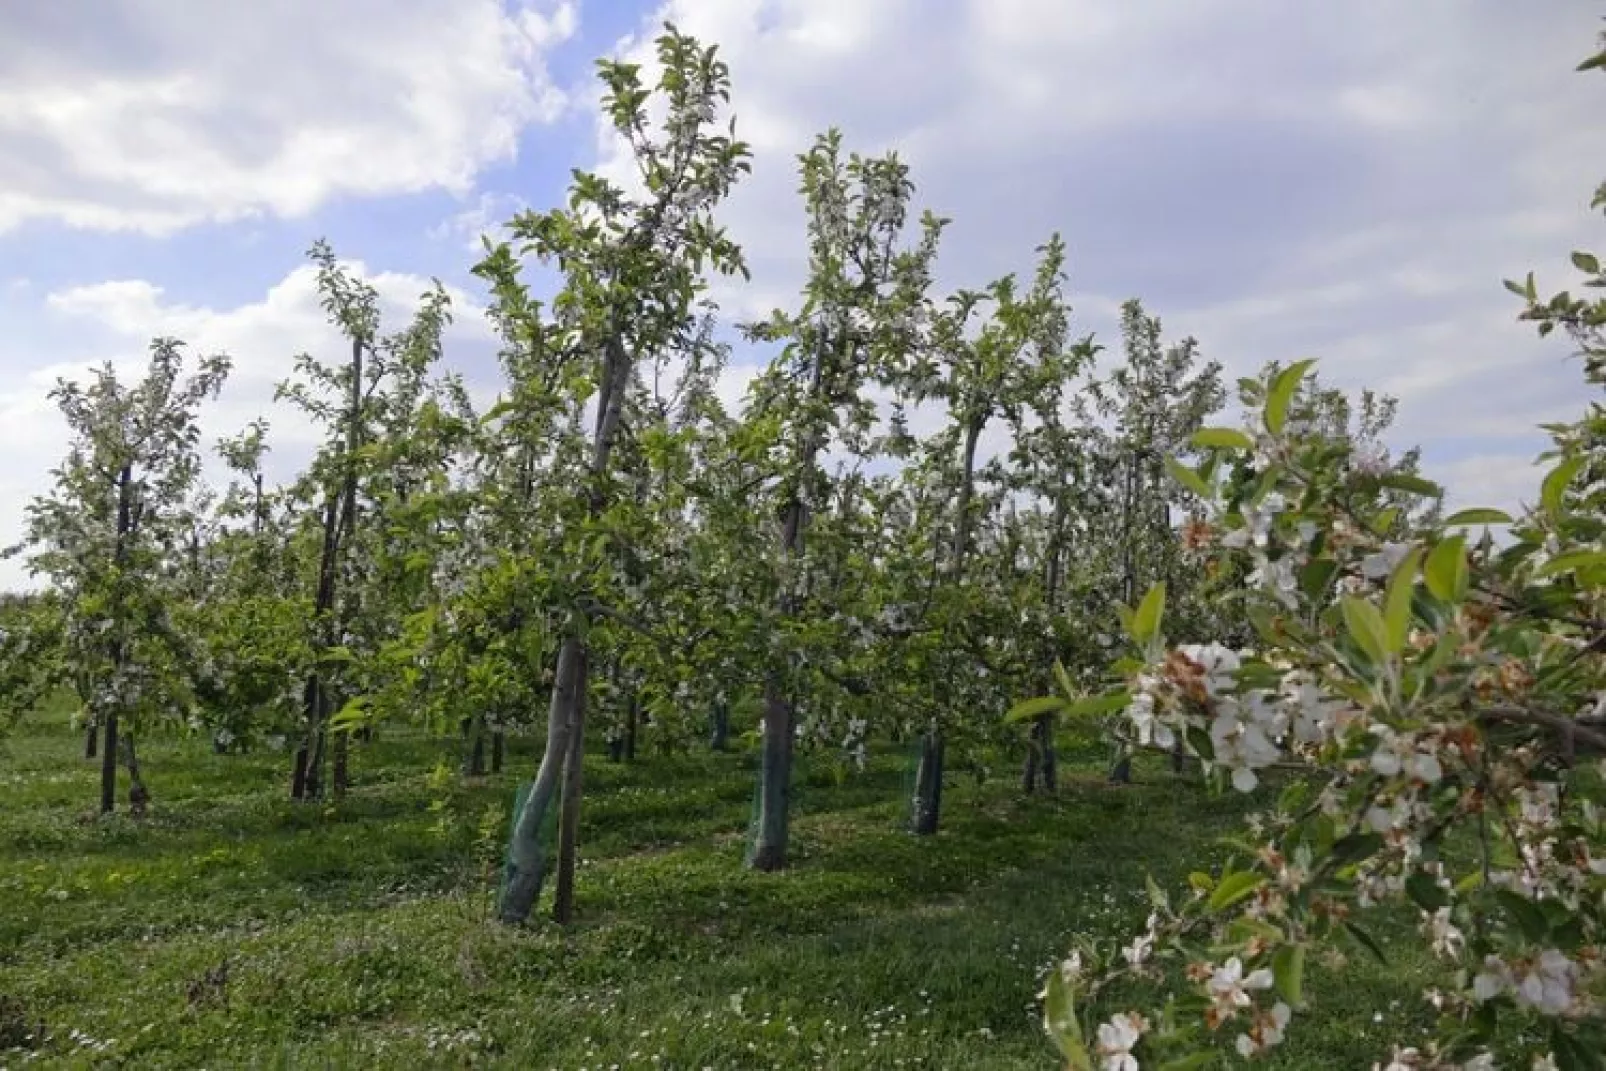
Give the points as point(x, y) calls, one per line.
point(342, 779)
point(474, 747)
point(775, 781)
point(928, 780)
point(928, 785)
point(632, 719)
point(315, 765)
point(91, 739)
point(1042, 764)
point(125, 525)
point(527, 863)
point(1051, 764)
point(498, 744)
point(720, 731)
point(298, 776)
point(108, 764)
point(569, 810)
point(139, 796)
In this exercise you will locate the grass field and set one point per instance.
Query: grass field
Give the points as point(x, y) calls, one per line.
point(358, 933)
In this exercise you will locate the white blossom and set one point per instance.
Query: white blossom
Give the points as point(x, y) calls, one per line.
point(1116, 1039)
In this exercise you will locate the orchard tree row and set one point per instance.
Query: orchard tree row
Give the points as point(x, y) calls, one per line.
point(607, 544)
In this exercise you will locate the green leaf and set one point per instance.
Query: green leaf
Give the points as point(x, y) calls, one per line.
point(1445, 572)
point(1281, 393)
point(1059, 1019)
point(1157, 895)
point(1405, 481)
point(1235, 887)
point(1366, 627)
point(1572, 1053)
point(1365, 940)
point(1288, 971)
point(1191, 1062)
point(1571, 560)
point(1556, 482)
point(1397, 604)
point(1586, 262)
point(1225, 438)
point(1316, 576)
point(1146, 621)
point(1097, 704)
point(1480, 515)
point(1187, 477)
point(1525, 913)
point(1031, 708)
point(1355, 847)
point(351, 716)
point(1064, 679)
point(1425, 891)
point(1200, 881)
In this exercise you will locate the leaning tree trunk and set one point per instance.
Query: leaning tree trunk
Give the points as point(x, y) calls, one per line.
point(526, 866)
point(526, 863)
point(339, 520)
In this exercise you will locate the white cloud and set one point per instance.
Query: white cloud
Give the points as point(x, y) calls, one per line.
point(484, 218)
point(150, 116)
point(1348, 182)
point(262, 337)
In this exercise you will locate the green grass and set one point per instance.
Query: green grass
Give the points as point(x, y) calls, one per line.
point(358, 933)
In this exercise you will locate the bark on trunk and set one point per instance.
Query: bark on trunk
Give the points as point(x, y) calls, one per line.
point(342, 775)
point(928, 782)
point(775, 781)
point(91, 740)
point(569, 811)
point(632, 720)
point(1050, 771)
point(527, 863)
point(1042, 765)
point(720, 731)
point(928, 785)
point(474, 747)
point(108, 765)
point(498, 745)
point(125, 525)
point(139, 796)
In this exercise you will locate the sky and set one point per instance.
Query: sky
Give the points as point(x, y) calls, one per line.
point(1349, 182)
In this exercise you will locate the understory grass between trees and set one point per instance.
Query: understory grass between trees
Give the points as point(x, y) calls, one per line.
point(233, 928)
